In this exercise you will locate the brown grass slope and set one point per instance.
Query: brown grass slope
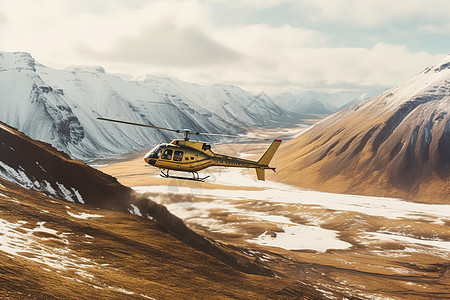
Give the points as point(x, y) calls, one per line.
point(161, 253)
point(42, 163)
point(112, 255)
point(396, 144)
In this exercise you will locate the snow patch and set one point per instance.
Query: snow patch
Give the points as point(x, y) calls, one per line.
point(77, 194)
point(16, 176)
point(390, 236)
point(66, 193)
point(49, 188)
point(302, 237)
point(274, 192)
point(23, 242)
point(135, 210)
point(83, 215)
point(20, 177)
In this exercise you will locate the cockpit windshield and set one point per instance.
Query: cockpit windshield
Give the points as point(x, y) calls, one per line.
point(155, 152)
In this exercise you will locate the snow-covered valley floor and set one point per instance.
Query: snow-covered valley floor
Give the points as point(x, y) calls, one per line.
point(298, 219)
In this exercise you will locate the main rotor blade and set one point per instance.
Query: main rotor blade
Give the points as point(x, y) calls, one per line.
point(233, 136)
point(137, 124)
point(185, 131)
point(215, 134)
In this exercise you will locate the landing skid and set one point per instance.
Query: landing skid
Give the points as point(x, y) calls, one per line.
point(195, 176)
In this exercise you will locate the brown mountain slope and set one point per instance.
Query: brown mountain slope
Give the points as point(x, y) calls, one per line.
point(51, 249)
point(38, 166)
point(396, 144)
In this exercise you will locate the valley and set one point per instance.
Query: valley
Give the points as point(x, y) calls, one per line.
point(344, 245)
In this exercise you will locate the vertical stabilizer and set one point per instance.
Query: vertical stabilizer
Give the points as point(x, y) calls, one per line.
point(268, 155)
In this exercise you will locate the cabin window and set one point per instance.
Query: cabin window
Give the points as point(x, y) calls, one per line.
point(192, 158)
point(178, 156)
point(154, 153)
point(167, 154)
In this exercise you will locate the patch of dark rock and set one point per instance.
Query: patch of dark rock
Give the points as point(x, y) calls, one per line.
point(410, 157)
point(443, 67)
point(325, 153)
point(426, 139)
point(444, 145)
point(346, 145)
point(333, 135)
point(441, 116)
point(395, 150)
point(365, 139)
point(405, 109)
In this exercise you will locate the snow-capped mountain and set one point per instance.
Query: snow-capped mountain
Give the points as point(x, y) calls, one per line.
point(395, 144)
point(60, 107)
point(309, 102)
point(230, 103)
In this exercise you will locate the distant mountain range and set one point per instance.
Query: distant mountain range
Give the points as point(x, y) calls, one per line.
point(395, 144)
point(60, 107)
point(308, 102)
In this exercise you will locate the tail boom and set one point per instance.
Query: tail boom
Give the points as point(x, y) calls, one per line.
point(260, 166)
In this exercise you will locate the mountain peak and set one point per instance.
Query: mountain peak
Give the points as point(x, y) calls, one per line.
point(443, 65)
point(86, 69)
point(18, 61)
point(396, 144)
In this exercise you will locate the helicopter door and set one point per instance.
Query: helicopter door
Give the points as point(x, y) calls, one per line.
point(178, 156)
point(167, 154)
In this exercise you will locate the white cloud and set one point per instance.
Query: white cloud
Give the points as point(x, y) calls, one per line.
point(179, 38)
point(313, 68)
point(250, 3)
point(267, 46)
point(373, 12)
point(3, 19)
point(54, 29)
point(167, 44)
point(353, 12)
point(433, 29)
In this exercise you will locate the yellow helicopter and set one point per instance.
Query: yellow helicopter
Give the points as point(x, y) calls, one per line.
point(193, 156)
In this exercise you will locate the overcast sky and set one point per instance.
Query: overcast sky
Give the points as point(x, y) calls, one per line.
point(259, 45)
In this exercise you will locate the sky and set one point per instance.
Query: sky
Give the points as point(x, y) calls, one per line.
point(259, 45)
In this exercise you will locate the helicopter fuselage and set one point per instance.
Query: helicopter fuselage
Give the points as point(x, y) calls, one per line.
point(193, 156)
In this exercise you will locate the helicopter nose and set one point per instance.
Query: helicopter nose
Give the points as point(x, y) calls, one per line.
point(150, 161)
